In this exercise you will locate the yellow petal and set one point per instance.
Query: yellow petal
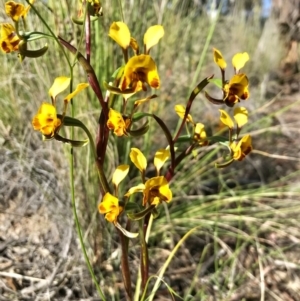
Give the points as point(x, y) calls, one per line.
point(243, 148)
point(108, 202)
point(138, 159)
point(157, 187)
point(226, 119)
point(180, 110)
point(240, 116)
point(132, 190)
point(6, 30)
point(152, 36)
point(161, 156)
point(79, 88)
point(141, 101)
point(120, 33)
point(119, 174)
point(240, 80)
point(199, 130)
point(60, 84)
point(165, 192)
point(239, 60)
point(219, 60)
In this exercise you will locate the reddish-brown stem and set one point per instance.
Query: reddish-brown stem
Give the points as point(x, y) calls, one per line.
point(91, 76)
point(170, 173)
point(192, 97)
point(187, 110)
point(102, 135)
point(223, 77)
point(125, 265)
point(125, 54)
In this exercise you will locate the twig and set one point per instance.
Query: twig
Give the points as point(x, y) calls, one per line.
point(18, 276)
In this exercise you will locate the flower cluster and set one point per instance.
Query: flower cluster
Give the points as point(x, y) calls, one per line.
point(139, 71)
point(94, 8)
point(141, 68)
point(140, 200)
point(238, 150)
point(234, 90)
point(155, 190)
point(12, 38)
point(46, 120)
point(237, 87)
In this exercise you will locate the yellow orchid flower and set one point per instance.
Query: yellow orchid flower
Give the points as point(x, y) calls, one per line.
point(242, 148)
point(117, 123)
point(16, 10)
point(110, 207)
point(233, 91)
point(140, 68)
point(199, 131)
point(200, 134)
point(120, 33)
point(46, 120)
point(94, 8)
point(155, 190)
point(236, 89)
point(138, 159)
point(9, 39)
